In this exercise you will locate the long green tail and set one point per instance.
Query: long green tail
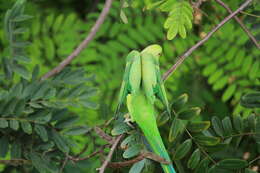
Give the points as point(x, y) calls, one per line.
point(143, 113)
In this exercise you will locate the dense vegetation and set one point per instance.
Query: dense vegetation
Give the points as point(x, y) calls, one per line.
point(56, 124)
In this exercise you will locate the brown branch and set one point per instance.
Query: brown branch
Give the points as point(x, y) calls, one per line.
point(101, 150)
point(201, 42)
point(110, 154)
point(103, 135)
point(143, 155)
point(15, 162)
point(83, 44)
point(250, 35)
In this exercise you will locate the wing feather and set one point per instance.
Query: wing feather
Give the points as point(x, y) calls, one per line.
point(126, 87)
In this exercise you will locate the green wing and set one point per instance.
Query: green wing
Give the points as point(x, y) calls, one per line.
point(159, 89)
point(133, 59)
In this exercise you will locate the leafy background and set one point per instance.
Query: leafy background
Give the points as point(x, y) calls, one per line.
point(215, 77)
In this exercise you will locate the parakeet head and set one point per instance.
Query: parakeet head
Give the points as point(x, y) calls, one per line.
point(154, 49)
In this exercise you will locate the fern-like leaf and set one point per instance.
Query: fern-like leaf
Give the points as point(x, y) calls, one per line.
point(179, 19)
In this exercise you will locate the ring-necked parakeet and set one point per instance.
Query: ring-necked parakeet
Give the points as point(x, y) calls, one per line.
point(141, 85)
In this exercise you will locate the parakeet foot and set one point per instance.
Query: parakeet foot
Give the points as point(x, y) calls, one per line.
point(128, 120)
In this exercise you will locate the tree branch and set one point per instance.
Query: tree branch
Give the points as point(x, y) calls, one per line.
point(250, 35)
point(83, 44)
point(15, 162)
point(104, 136)
point(142, 156)
point(112, 150)
point(88, 156)
point(201, 42)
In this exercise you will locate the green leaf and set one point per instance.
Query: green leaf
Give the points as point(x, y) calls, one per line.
point(21, 58)
point(41, 131)
point(252, 121)
point(128, 140)
point(194, 159)
point(238, 123)
point(22, 18)
point(227, 126)
point(10, 107)
point(229, 92)
point(49, 48)
point(37, 162)
point(19, 108)
point(179, 19)
point(217, 126)
point(254, 69)
point(26, 126)
point(20, 30)
point(179, 103)
point(198, 126)
point(189, 114)
point(251, 100)
point(137, 167)
point(44, 86)
point(120, 129)
point(162, 118)
point(4, 146)
point(60, 142)
point(35, 73)
point(183, 149)
point(16, 150)
point(22, 71)
point(3, 123)
point(123, 16)
point(42, 164)
point(203, 166)
point(207, 140)
point(232, 164)
point(14, 124)
point(68, 122)
point(88, 104)
point(21, 44)
point(41, 117)
point(77, 130)
point(132, 151)
point(155, 4)
point(58, 23)
point(177, 127)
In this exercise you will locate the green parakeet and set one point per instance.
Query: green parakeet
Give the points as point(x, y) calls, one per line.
point(141, 85)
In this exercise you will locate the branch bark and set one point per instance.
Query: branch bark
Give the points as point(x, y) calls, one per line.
point(109, 157)
point(142, 156)
point(250, 35)
point(83, 44)
point(201, 42)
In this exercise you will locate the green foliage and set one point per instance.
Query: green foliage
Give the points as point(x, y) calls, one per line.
point(179, 19)
point(215, 77)
point(34, 119)
point(199, 148)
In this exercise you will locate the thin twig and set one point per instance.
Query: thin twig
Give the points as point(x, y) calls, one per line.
point(88, 156)
point(250, 35)
point(203, 151)
point(110, 154)
point(201, 42)
point(15, 162)
point(255, 159)
point(64, 163)
point(249, 14)
point(143, 155)
point(83, 44)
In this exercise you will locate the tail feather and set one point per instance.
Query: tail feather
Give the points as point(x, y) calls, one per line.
point(143, 113)
point(158, 147)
